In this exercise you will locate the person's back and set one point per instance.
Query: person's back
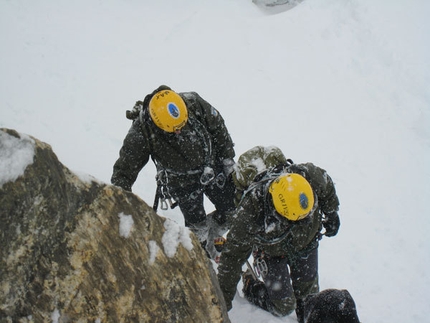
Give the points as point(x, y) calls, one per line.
point(280, 214)
point(193, 152)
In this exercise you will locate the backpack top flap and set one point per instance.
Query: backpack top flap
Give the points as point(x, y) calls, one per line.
point(255, 161)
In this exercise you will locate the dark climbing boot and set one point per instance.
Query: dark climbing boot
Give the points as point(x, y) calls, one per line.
point(300, 311)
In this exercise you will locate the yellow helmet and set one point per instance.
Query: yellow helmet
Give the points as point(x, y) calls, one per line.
point(168, 111)
point(292, 196)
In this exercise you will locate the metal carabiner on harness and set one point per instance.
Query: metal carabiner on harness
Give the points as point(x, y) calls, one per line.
point(208, 176)
point(171, 203)
point(261, 266)
point(220, 180)
point(163, 197)
point(162, 181)
point(163, 204)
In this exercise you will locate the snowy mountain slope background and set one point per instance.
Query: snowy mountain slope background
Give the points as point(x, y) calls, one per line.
point(344, 84)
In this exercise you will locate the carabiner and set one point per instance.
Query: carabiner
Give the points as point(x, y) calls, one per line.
point(261, 265)
point(207, 176)
point(220, 180)
point(164, 205)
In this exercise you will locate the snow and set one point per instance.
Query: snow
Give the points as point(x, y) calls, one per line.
point(15, 155)
point(153, 250)
point(86, 178)
point(125, 224)
point(174, 235)
point(55, 316)
point(344, 84)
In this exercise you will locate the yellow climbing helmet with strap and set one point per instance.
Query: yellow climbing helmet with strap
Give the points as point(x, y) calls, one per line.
point(292, 196)
point(168, 110)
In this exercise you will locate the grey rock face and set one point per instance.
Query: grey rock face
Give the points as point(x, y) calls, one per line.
point(75, 250)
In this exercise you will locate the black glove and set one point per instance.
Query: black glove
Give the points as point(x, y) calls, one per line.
point(134, 113)
point(331, 224)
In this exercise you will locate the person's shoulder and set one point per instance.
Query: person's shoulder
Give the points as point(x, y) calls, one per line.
point(248, 209)
point(141, 126)
point(195, 104)
point(306, 167)
point(317, 177)
point(190, 96)
point(254, 195)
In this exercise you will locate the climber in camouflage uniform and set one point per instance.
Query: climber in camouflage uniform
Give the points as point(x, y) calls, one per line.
point(193, 152)
point(282, 208)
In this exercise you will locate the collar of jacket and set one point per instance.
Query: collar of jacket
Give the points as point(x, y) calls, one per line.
point(194, 124)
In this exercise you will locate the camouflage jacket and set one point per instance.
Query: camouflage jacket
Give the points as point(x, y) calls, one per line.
point(203, 141)
point(257, 225)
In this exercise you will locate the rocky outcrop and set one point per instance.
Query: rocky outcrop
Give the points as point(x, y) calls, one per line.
point(77, 250)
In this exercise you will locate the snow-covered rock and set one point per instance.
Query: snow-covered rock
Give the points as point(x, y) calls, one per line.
point(74, 250)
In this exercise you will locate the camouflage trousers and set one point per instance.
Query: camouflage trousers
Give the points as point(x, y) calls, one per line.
point(286, 282)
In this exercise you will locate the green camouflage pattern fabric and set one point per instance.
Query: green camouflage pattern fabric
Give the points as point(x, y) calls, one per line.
point(255, 224)
point(253, 162)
